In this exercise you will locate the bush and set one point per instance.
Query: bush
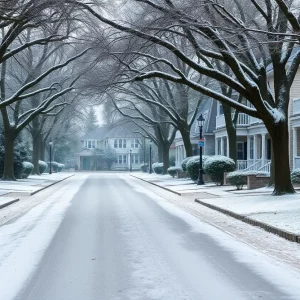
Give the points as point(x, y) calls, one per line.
point(184, 163)
point(193, 166)
point(42, 166)
point(239, 178)
point(144, 167)
point(54, 166)
point(172, 171)
point(172, 160)
point(216, 165)
point(295, 176)
point(60, 167)
point(27, 169)
point(158, 168)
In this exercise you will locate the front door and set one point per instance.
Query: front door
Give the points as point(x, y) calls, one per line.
point(86, 163)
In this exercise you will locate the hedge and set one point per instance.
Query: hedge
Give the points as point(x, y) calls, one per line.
point(172, 171)
point(193, 165)
point(27, 169)
point(184, 163)
point(42, 166)
point(239, 178)
point(158, 168)
point(216, 165)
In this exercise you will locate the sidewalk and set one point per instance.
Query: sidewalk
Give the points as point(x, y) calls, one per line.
point(10, 191)
point(279, 215)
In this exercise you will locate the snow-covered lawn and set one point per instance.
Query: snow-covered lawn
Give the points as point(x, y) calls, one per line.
point(282, 212)
point(32, 183)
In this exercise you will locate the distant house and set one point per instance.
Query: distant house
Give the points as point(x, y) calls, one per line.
point(121, 139)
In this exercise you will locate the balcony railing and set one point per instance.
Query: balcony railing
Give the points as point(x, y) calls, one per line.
point(296, 106)
point(243, 120)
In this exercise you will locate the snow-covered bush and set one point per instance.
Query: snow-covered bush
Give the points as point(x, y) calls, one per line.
point(193, 166)
point(42, 166)
point(158, 168)
point(216, 165)
point(60, 167)
point(54, 166)
point(184, 162)
point(295, 176)
point(172, 171)
point(237, 178)
point(144, 167)
point(27, 169)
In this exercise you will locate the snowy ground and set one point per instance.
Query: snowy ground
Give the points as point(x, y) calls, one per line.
point(282, 212)
point(31, 184)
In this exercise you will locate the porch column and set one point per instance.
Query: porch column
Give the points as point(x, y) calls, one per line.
point(248, 148)
point(255, 148)
point(216, 146)
point(295, 146)
point(263, 148)
point(222, 145)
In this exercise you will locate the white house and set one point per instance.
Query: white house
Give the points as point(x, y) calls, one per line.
point(121, 139)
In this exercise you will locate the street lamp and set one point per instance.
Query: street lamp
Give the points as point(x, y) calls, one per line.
point(200, 121)
point(150, 158)
point(130, 161)
point(50, 154)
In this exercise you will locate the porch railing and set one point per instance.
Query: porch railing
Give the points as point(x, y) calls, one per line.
point(241, 164)
point(266, 168)
point(255, 166)
point(243, 120)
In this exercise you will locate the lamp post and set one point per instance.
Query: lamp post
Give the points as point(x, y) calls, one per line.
point(150, 158)
point(201, 144)
point(130, 161)
point(50, 155)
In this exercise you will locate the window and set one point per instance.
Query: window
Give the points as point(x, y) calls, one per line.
point(115, 143)
point(89, 146)
point(124, 143)
point(136, 144)
point(136, 159)
point(120, 143)
point(219, 147)
point(120, 159)
point(93, 144)
point(240, 150)
point(132, 143)
point(124, 159)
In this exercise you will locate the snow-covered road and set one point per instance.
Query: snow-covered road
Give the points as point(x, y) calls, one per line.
point(108, 238)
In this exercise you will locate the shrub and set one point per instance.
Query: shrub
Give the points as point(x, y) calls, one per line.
point(158, 168)
point(295, 176)
point(239, 178)
point(184, 163)
point(144, 167)
point(172, 160)
point(193, 165)
point(172, 171)
point(215, 166)
point(60, 167)
point(42, 166)
point(54, 166)
point(27, 169)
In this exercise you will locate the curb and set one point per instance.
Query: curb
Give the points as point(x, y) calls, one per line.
point(169, 190)
point(8, 203)
point(44, 187)
point(282, 233)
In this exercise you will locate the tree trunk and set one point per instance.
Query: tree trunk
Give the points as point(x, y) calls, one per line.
point(165, 159)
point(8, 170)
point(160, 151)
point(185, 134)
point(35, 153)
point(280, 143)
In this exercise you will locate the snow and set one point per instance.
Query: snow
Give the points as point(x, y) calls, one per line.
point(282, 212)
point(28, 237)
point(286, 278)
